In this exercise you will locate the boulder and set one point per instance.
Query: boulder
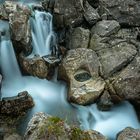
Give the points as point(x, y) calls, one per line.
point(115, 58)
point(18, 17)
point(105, 28)
point(127, 82)
point(66, 12)
point(129, 134)
point(43, 126)
point(35, 66)
point(105, 102)
point(79, 38)
point(97, 43)
point(126, 12)
point(16, 105)
point(42, 67)
point(82, 75)
point(91, 15)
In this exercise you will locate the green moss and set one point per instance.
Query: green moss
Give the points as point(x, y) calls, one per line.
point(52, 126)
point(77, 133)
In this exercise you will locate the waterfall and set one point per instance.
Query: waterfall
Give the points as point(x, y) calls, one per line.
point(43, 37)
point(50, 96)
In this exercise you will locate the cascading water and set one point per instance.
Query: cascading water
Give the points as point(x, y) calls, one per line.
point(49, 96)
point(43, 37)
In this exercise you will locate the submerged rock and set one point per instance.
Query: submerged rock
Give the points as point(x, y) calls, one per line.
point(46, 127)
point(129, 134)
point(82, 75)
point(16, 105)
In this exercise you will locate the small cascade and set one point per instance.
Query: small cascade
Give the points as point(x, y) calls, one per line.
point(43, 37)
point(109, 123)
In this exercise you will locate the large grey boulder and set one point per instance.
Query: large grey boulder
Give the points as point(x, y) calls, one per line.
point(80, 68)
point(115, 58)
point(127, 83)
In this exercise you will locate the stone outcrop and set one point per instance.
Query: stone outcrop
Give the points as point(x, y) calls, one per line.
point(42, 67)
point(115, 58)
point(43, 126)
point(126, 12)
point(17, 105)
point(127, 82)
point(18, 16)
point(129, 134)
point(105, 28)
point(66, 13)
point(91, 15)
point(79, 38)
point(82, 75)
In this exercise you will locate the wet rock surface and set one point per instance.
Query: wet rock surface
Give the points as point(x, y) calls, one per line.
point(82, 74)
point(43, 126)
point(129, 134)
point(17, 105)
point(18, 16)
point(42, 67)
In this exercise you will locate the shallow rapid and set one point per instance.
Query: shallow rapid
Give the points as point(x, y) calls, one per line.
point(51, 96)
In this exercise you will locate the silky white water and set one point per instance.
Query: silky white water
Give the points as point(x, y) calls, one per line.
point(43, 37)
point(51, 96)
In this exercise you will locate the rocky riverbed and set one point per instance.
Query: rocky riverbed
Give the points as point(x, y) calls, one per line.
point(98, 56)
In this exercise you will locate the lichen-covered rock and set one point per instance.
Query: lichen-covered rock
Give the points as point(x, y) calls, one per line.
point(90, 14)
point(129, 134)
point(79, 38)
point(115, 58)
point(46, 127)
point(105, 28)
point(17, 105)
point(82, 75)
point(126, 12)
